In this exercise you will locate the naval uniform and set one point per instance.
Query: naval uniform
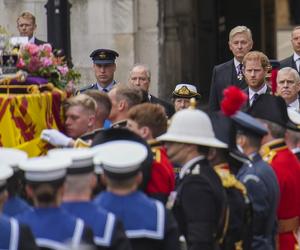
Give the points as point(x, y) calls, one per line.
point(148, 225)
point(286, 167)
point(108, 231)
point(15, 205)
point(238, 235)
point(263, 192)
point(54, 228)
point(14, 236)
point(200, 205)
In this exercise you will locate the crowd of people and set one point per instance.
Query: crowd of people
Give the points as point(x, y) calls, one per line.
point(132, 171)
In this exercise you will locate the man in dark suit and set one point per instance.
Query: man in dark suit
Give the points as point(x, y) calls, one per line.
point(293, 61)
point(288, 87)
point(256, 66)
point(104, 68)
point(140, 77)
point(230, 73)
point(26, 25)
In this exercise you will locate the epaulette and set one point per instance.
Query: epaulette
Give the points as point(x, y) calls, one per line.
point(92, 86)
point(269, 150)
point(155, 148)
point(79, 143)
point(228, 179)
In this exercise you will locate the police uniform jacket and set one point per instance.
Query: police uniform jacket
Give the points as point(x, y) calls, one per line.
point(147, 223)
point(15, 205)
point(239, 230)
point(263, 191)
point(53, 228)
point(108, 231)
point(200, 205)
point(15, 236)
point(287, 170)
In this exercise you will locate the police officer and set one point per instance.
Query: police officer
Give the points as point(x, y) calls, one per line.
point(52, 227)
point(147, 223)
point(13, 235)
point(199, 203)
point(15, 184)
point(104, 69)
point(108, 231)
point(260, 180)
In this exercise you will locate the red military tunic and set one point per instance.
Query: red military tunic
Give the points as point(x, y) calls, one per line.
point(162, 179)
point(287, 169)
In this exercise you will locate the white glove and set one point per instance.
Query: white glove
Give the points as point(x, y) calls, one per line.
point(55, 138)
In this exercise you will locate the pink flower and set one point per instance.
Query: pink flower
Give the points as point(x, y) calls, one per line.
point(21, 63)
point(32, 49)
point(46, 61)
point(34, 64)
point(63, 69)
point(46, 47)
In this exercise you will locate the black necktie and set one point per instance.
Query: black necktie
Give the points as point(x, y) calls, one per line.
point(254, 98)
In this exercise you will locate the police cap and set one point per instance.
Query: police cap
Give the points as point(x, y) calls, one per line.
point(104, 56)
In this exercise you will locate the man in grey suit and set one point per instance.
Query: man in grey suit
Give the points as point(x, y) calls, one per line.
point(230, 73)
point(293, 61)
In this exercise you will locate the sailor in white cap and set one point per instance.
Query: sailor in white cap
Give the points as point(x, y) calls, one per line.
point(14, 204)
point(51, 225)
point(182, 94)
point(80, 181)
point(13, 235)
point(147, 223)
point(199, 202)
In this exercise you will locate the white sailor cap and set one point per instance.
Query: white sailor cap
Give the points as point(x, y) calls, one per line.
point(185, 90)
point(5, 172)
point(120, 159)
point(82, 159)
point(45, 169)
point(12, 157)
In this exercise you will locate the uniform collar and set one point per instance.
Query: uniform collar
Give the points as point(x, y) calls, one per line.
point(188, 165)
point(269, 149)
point(108, 87)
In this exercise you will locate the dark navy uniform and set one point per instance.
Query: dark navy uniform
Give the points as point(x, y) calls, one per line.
point(108, 231)
point(147, 224)
point(200, 205)
point(263, 192)
point(238, 235)
point(15, 205)
point(54, 228)
point(15, 236)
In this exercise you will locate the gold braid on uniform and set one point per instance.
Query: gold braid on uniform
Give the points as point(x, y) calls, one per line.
point(269, 150)
point(155, 148)
point(228, 179)
point(79, 143)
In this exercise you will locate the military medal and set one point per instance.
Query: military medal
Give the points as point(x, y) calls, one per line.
point(240, 76)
